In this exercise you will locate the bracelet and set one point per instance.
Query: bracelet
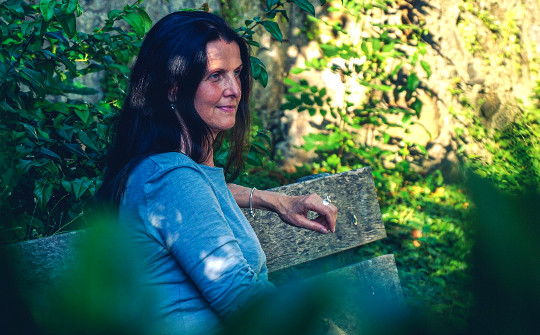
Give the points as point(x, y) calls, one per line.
point(251, 212)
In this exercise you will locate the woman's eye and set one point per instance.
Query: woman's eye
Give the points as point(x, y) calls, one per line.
point(214, 76)
point(237, 72)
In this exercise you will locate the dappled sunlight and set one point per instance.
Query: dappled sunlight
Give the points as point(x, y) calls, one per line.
point(156, 220)
point(214, 266)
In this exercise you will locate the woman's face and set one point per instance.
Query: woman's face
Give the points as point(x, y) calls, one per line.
point(219, 93)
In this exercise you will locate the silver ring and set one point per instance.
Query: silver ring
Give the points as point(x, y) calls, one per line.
point(326, 201)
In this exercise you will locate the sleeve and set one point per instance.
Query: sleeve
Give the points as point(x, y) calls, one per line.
point(182, 207)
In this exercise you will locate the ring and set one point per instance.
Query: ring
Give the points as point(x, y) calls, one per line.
point(326, 201)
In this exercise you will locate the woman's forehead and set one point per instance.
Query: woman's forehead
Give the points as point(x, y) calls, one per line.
point(222, 54)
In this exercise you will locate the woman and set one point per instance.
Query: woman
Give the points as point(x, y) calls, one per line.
point(188, 89)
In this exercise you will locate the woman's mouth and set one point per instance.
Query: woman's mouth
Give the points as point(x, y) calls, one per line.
point(227, 108)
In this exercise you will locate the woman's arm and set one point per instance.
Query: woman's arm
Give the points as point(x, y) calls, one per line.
point(291, 209)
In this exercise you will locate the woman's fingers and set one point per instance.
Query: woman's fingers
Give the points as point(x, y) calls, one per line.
point(328, 212)
point(294, 211)
point(315, 225)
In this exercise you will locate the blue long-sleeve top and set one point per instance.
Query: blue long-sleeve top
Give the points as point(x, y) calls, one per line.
point(201, 254)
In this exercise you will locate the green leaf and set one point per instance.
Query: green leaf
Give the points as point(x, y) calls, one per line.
point(69, 6)
point(333, 161)
point(417, 106)
point(376, 43)
point(397, 68)
point(306, 99)
point(47, 8)
point(85, 139)
point(76, 149)
point(412, 83)
point(43, 192)
point(57, 35)
point(258, 69)
point(426, 67)
point(35, 77)
point(406, 119)
point(83, 114)
point(297, 70)
point(384, 88)
point(273, 29)
point(49, 153)
point(69, 24)
point(114, 14)
point(140, 22)
point(306, 6)
point(364, 48)
point(271, 3)
point(263, 78)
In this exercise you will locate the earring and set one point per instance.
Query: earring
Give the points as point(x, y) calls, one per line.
point(173, 107)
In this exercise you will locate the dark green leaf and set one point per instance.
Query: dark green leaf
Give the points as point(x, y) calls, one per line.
point(83, 114)
point(69, 6)
point(263, 78)
point(76, 149)
point(255, 44)
point(271, 3)
point(273, 29)
point(47, 8)
point(85, 139)
point(49, 153)
point(114, 14)
point(306, 6)
point(306, 99)
point(43, 192)
point(57, 35)
point(69, 24)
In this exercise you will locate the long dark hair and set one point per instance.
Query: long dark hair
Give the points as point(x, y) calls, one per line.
point(159, 113)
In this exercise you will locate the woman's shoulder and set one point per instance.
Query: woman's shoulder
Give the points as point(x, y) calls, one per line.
point(168, 160)
point(158, 165)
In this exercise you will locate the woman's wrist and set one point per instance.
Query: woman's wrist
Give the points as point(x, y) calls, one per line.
point(267, 200)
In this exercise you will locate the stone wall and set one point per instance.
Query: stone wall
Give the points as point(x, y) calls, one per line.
point(473, 62)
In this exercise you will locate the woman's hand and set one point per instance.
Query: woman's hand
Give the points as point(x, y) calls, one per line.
point(291, 209)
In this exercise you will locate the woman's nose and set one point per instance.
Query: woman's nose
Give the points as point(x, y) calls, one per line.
point(233, 87)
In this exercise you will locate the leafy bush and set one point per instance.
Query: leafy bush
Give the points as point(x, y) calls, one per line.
point(53, 135)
